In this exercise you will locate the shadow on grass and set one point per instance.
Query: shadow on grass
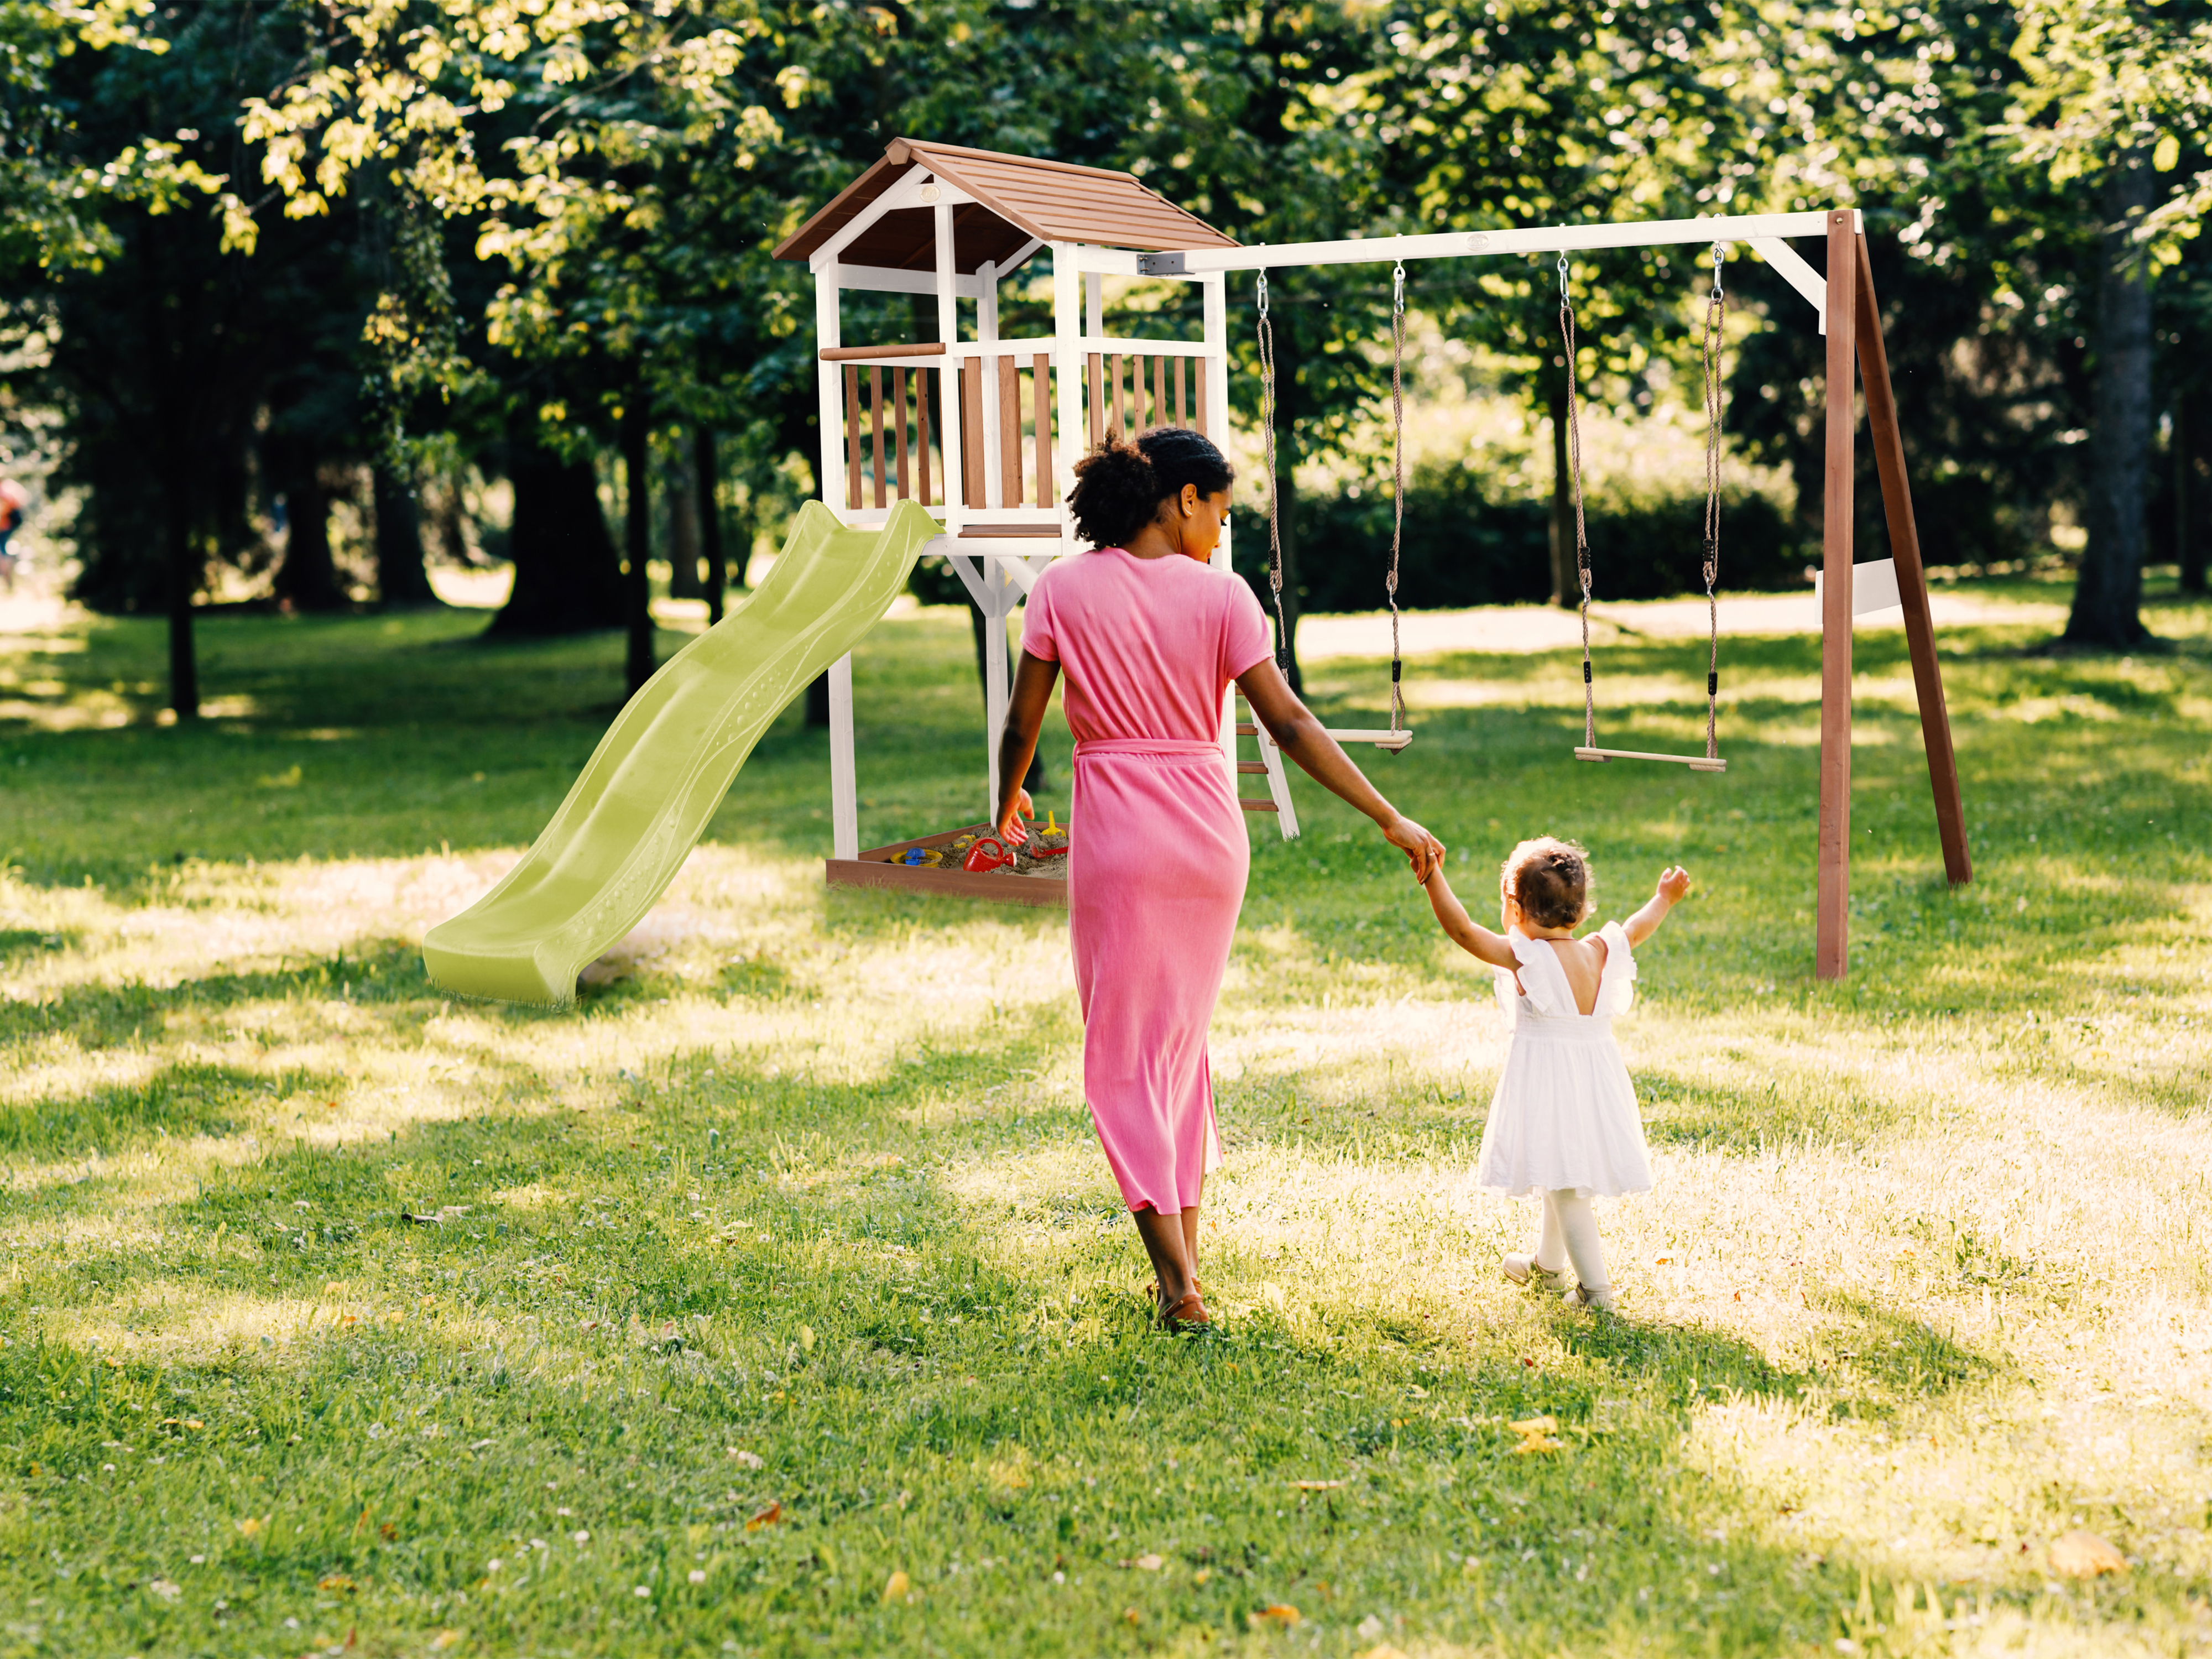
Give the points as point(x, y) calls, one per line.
point(1702, 1117)
point(191, 1098)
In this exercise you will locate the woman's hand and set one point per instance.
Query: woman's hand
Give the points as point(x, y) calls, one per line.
point(1009, 824)
point(1422, 850)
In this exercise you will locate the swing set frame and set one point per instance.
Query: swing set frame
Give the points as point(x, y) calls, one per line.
point(1844, 299)
point(951, 224)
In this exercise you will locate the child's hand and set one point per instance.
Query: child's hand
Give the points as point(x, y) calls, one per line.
point(1673, 884)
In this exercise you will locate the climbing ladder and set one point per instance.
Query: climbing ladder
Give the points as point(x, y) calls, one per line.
point(1270, 766)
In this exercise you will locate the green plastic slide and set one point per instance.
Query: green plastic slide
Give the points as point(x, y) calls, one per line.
point(644, 796)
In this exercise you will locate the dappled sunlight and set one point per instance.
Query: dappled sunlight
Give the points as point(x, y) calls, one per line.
point(800, 1203)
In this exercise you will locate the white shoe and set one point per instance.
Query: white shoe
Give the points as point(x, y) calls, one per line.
point(1522, 1268)
point(1583, 1297)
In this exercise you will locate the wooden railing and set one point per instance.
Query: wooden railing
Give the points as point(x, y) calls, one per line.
point(888, 448)
point(1107, 377)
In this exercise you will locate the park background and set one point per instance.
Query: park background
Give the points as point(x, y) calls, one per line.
point(389, 380)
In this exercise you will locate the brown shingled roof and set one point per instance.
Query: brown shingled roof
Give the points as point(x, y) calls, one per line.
point(1016, 198)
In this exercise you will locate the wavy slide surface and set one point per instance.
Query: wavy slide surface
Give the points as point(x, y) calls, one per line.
point(644, 796)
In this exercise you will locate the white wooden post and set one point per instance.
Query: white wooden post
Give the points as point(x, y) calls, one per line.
point(986, 334)
point(844, 783)
point(1094, 304)
point(1003, 594)
point(1068, 365)
point(948, 379)
point(830, 393)
point(844, 791)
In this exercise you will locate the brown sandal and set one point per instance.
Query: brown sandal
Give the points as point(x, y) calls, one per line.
point(1188, 1314)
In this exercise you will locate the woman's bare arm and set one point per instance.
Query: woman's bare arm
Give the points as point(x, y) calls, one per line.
point(1299, 734)
point(1034, 679)
point(1470, 935)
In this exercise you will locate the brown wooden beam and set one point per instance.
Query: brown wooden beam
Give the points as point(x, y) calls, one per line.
point(1912, 579)
point(1833, 906)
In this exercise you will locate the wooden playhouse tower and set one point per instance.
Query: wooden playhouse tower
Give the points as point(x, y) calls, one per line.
point(985, 430)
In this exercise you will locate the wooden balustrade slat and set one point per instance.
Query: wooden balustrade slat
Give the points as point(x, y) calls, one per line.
point(852, 437)
point(1198, 391)
point(876, 427)
point(971, 432)
point(1040, 398)
point(1159, 392)
point(1097, 385)
point(899, 419)
point(922, 425)
point(1121, 423)
point(1009, 370)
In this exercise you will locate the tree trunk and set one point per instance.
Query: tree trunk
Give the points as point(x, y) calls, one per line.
point(2108, 593)
point(401, 578)
point(1286, 501)
point(185, 573)
point(566, 579)
point(683, 495)
point(637, 504)
point(706, 475)
point(1566, 579)
point(307, 580)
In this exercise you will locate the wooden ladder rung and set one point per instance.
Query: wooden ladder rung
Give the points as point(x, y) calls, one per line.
point(1246, 729)
point(1252, 766)
point(1252, 805)
point(1695, 763)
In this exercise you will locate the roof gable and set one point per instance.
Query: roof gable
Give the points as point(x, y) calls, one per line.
point(1019, 199)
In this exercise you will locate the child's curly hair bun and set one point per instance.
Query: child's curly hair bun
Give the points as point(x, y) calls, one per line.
point(1551, 881)
point(1119, 486)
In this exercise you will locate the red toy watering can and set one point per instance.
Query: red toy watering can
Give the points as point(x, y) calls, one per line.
point(988, 853)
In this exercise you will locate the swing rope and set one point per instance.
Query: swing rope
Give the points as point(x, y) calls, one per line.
point(1575, 476)
point(1716, 318)
point(1275, 517)
point(1397, 484)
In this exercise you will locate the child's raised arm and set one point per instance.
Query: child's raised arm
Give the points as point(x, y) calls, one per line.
point(1673, 883)
point(1470, 935)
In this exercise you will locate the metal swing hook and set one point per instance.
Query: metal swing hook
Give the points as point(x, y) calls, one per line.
point(1263, 296)
point(1563, 271)
point(1398, 289)
point(1720, 260)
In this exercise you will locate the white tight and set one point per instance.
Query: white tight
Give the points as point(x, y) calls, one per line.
point(1569, 1231)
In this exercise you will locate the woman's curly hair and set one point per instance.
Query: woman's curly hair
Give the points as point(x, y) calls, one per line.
point(1550, 879)
point(1119, 486)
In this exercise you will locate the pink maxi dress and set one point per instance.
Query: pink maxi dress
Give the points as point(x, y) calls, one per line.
point(1158, 858)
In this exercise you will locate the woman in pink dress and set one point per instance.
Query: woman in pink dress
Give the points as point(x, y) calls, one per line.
point(1150, 636)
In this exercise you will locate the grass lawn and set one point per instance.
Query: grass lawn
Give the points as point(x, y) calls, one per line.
point(776, 1300)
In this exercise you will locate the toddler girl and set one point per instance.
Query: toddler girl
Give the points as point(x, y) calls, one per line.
point(1563, 1123)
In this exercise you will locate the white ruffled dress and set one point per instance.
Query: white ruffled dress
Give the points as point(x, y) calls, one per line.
point(1564, 1114)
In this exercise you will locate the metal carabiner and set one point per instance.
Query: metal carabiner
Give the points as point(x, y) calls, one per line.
point(1263, 293)
point(1398, 289)
point(1563, 271)
point(1720, 259)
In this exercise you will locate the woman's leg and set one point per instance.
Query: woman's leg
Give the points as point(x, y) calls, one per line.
point(1165, 1243)
point(1190, 1230)
point(1577, 1223)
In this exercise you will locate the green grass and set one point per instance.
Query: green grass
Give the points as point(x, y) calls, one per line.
point(336, 1311)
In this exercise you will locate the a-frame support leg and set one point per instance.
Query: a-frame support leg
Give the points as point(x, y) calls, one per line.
point(1911, 579)
point(1855, 353)
point(1833, 905)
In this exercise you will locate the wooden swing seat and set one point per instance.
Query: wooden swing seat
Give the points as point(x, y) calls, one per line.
point(1393, 741)
point(1695, 763)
